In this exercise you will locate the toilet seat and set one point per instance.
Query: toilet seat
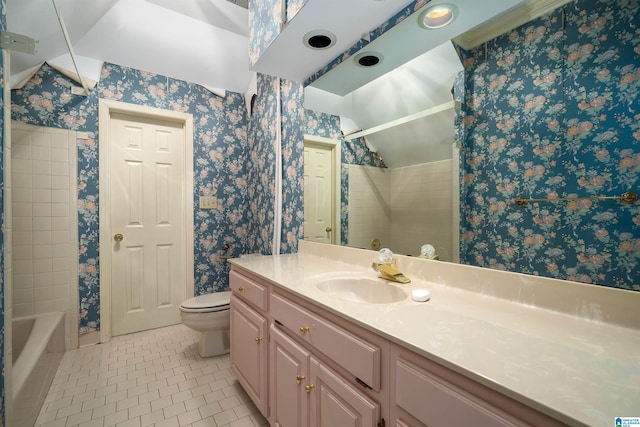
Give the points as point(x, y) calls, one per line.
point(208, 303)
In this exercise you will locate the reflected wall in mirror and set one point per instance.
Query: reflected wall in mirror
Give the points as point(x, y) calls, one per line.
point(549, 109)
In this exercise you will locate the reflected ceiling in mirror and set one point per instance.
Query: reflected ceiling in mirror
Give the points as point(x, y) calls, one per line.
point(404, 42)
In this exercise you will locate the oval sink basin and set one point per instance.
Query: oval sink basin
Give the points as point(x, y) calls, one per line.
point(361, 289)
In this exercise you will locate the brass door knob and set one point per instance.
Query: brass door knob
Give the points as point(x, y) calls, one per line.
point(118, 237)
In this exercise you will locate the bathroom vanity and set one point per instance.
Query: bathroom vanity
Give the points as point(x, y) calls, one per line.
point(492, 350)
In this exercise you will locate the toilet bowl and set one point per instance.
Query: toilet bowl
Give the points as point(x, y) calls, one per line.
point(209, 315)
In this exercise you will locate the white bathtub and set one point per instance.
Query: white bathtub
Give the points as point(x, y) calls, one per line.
point(38, 346)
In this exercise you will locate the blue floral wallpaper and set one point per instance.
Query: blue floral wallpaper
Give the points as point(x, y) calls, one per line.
point(293, 118)
point(264, 26)
point(262, 135)
point(293, 7)
point(551, 110)
point(220, 163)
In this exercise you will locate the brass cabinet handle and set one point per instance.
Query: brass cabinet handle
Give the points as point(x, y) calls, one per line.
point(304, 329)
point(240, 289)
point(309, 387)
point(118, 237)
point(258, 340)
point(299, 379)
point(328, 229)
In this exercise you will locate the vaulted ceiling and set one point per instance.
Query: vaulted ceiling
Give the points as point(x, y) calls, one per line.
point(200, 41)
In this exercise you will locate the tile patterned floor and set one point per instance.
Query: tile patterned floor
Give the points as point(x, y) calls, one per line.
point(151, 378)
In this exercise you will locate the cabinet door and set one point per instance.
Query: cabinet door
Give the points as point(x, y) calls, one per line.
point(249, 351)
point(289, 401)
point(334, 402)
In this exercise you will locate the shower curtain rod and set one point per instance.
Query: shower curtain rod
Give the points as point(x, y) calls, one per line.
point(629, 197)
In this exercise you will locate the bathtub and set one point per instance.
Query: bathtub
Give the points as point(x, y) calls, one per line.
point(38, 346)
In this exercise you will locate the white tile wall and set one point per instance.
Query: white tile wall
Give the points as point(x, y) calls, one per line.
point(404, 207)
point(10, 254)
point(369, 210)
point(45, 224)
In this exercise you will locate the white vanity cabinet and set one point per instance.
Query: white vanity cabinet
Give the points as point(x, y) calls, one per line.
point(249, 337)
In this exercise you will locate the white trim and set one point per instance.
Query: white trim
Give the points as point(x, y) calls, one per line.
point(336, 155)
point(7, 274)
point(455, 202)
point(106, 107)
point(402, 120)
point(516, 17)
point(277, 202)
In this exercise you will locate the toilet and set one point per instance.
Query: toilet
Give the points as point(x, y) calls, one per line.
point(209, 315)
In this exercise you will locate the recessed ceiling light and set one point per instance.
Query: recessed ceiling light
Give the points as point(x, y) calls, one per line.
point(438, 16)
point(319, 39)
point(368, 59)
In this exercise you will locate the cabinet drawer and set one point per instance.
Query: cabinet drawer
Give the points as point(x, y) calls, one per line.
point(248, 289)
point(357, 356)
point(433, 401)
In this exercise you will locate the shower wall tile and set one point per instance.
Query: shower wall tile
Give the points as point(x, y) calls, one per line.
point(404, 207)
point(45, 266)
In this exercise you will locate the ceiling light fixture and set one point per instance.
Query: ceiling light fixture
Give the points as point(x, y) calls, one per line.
point(368, 59)
point(319, 39)
point(438, 16)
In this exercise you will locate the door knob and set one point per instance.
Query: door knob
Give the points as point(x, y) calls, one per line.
point(328, 229)
point(118, 237)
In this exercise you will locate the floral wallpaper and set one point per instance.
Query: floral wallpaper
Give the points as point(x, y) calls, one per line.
point(293, 7)
point(551, 110)
point(293, 117)
point(220, 164)
point(262, 135)
point(264, 26)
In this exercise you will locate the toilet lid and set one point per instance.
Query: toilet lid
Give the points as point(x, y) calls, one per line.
point(210, 302)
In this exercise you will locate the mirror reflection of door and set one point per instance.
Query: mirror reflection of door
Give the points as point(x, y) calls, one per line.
point(319, 224)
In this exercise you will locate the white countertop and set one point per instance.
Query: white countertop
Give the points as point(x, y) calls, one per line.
point(571, 364)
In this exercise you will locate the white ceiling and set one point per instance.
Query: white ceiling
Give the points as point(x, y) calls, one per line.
point(200, 41)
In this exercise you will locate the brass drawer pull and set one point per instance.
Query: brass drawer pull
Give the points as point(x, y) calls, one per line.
point(240, 289)
point(309, 387)
point(304, 329)
point(299, 379)
point(258, 340)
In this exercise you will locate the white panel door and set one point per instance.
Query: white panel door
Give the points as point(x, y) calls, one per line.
point(147, 197)
point(318, 193)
